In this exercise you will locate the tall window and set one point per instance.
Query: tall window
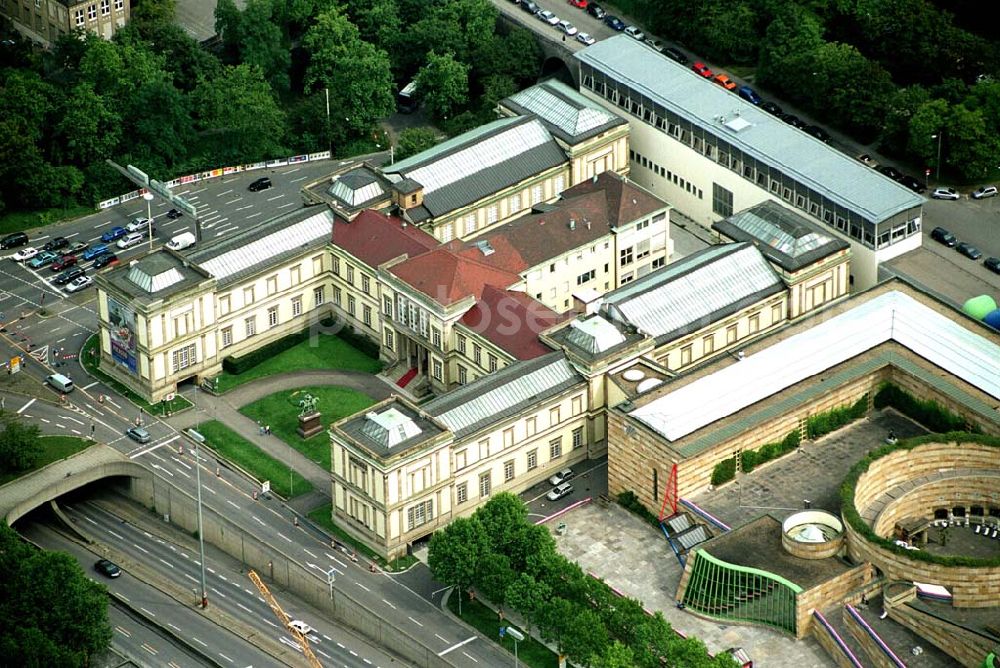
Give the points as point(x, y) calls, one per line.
point(227, 337)
point(536, 194)
point(366, 284)
point(508, 437)
point(389, 342)
point(554, 416)
point(272, 285)
point(532, 459)
point(79, 17)
point(422, 513)
point(251, 325)
point(366, 317)
point(461, 344)
point(462, 492)
point(387, 305)
point(508, 470)
point(625, 256)
point(447, 233)
point(337, 295)
point(722, 201)
point(578, 438)
point(336, 266)
point(296, 306)
point(437, 369)
point(351, 303)
point(119, 4)
point(295, 274)
point(224, 305)
point(463, 375)
point(272, 316)
point(184, 358)
point(477, 354)
point(515, 203)
point(493, 363)
point(350, 274)
point(248, 296)
point(708, 344)
point(555, 448)
point(105, 7)
point(91, 12)
point(317, 296)
point(485, 485)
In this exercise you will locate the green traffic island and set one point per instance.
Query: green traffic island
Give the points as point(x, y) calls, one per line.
point(90, 359)
point(24, 450)
point(262, 466)
point(530, 652)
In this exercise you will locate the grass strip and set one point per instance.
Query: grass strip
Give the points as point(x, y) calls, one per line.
point(54, 448)
point(530, 652)
point(90, 358)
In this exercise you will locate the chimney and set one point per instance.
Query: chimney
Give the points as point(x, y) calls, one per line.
point(572, 224)
point(587, 223)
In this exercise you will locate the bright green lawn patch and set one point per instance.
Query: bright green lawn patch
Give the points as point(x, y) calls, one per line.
point(22, 221)
point(323, 352)
point(255, 461)
point(530, 652)
point(280, 410)
point(91, 360)
point(54, 448)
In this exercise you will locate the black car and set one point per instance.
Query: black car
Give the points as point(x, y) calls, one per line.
point(104, 260)
point(174, 214)
point(56, 244)
point(13, 240)
point(596, 11)
point(943, 236)
point(968, 250)
point(263, 183)
point(793, 120)
point(817, 132)
point(911, 183)
point(530, 7)
point(614, 22)
point(993, 264)
point(68, 275)
point(889, 171)
point(675, 54)
point(772, 108)
point(105, 567)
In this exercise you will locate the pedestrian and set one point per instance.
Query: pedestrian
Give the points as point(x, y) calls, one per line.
point(260, 428)
point(267, 430)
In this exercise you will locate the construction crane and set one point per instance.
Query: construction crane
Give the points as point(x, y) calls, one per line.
point(285, 620)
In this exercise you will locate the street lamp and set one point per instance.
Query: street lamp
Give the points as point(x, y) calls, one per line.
point(148, 196)
point(516, 636)
point(938, 136)
point(198, 438)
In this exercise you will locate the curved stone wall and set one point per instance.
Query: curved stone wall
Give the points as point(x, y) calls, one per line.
point(810, 550)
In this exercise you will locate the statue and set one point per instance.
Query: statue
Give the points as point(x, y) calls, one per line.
point(307, 405)
point(310, 422)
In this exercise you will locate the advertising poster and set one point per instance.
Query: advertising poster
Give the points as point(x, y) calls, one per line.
point(123, 339)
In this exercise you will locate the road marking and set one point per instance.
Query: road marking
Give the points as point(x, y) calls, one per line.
point(76, 431)
point(362, 586)
point(87, 387)
point(415, 622)
point(183, 463)
point(61, 340)
point(440, 638)
point(123, 632)
point(110, 401)
point(233, 201)
point(209, 569)
point(328, 637)
point(90, 520)
point(140, 548)
point(60, 425)
point(471, 657)
point(219, 593)
point(147, 612)
point(197, 640)
point(166, 563)
point(457, 645)
point(183, 474)
point(389, 604)
point(271, 199)
point(353, 653)
point(240, 605)
point(319, 651)
point(255, 518)
point(148, 648)
point(208, 489)
point(224, 192)
point(282, 535)
point(224, 578)
point(154, 447)
point(190, 577)
point(171, 625)
point(45, 421)
point(66, 417)
point(22, 409)
point(254, 215)
point(160, 468)
point(118, 536)
point(341, 645)
point(285, 206)
point(301, 178)
point(271, 623)
point(310, 553)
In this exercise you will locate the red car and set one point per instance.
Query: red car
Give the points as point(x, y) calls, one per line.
point(582, 4)
point(702, 69)
point(65, 262)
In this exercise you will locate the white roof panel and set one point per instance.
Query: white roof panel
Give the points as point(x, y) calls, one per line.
point(893, 315)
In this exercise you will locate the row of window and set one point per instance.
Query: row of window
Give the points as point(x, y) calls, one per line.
point(667, 174)
point(468, 224)
point(250, 322)
point(477, 354)
point(366, 283)
point(732, 335)
point(91, 10)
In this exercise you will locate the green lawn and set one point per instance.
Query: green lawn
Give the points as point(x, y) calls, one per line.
point(54, 448)
point(22, 221)
point(530, 652)
point(325, 351)
point(91, 361)
point(248, 456)
point(280, 410)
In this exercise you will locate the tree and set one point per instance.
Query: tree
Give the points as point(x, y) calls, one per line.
point(378, 22)
point(924, 127)
point(500, 518)
point(585, 636)
point(972, 147)
point(512, 52)
point(229, 26)
point(262, 44)
point(88, 129)
point(495, 88)
point(615, 655)
point(793, 32)
point(856, 90)
point(413, 141)
point(51, 613)
point(493, 577)
point(455, 553)
point(528, 596)
point(443, 83)
point(19, 444)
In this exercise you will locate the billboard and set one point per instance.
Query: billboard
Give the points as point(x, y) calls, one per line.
point(121, 321)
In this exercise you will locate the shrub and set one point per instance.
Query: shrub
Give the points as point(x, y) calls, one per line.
point(791, 441)
point(835, 418)
point(749, 459)
point(630, 502)
point(928, 412)
point(724, 471)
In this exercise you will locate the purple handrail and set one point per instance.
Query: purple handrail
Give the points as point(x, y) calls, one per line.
point(837, 639)
point(874, 636)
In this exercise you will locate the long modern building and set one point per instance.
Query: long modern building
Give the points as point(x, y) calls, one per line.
point(709, 154)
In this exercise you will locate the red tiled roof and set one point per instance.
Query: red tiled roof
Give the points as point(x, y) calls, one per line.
point(447, 277)
point(512, 321)
point(375, 237)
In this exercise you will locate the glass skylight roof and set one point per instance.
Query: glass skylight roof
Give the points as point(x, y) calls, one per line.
point(775, 235)
point(572, 119)
point(156, 282)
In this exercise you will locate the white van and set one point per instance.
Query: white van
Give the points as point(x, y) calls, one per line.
point(181, 241)
point(129, 240)
point(60, 382)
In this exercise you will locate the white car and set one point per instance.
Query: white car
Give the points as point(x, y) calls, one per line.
point(984, 192)
point(584, 38)
point(945, 193)
point(561, 477)
point(559, 492)
point(129, 240)
point(301, 627)
point(78, 284)
point(25, 253)
point(138, 225)
point(635, 33)
point(548, 17)
point(568, 28)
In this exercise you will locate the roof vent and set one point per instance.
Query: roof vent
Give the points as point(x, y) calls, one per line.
point(587, 223)
point(722, 119)
point(485, 247)
point(595, 178)
point(572, 224)
point(634, 201)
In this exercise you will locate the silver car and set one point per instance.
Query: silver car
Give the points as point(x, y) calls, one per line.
point(559, 492)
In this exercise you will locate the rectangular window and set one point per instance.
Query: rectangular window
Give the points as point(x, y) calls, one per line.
point(587, 276)
point(272, 285)
point(251, 325)
point(659, 262)
point(272, 316)
point(554, 416)
point(463, 375)
point(350, 274)
point(642, 249)
point(184, 358)
point(685, 355)
point(248, 296)
point(336, 266)
point(477, 354)
point(484, 484)
point(437, 369)
point(295, 273)
point(515, 203)
point(227, 336)
point(389, 339)
point(436, 337)
point(461, 459)
point(536, 195)
point(470, 224)
point(492, 214)
point(119, 4)
point(508, 437)
point(105, 7)
point(422, 513)
point(577, 405)
point(462, 493)
point(366, 314)
point(447, 233)
point(625, 256)
point(722, 201)
point(92, 12)
point(493, 363)
point(559, 184)
point(508, 470)
point(775, 313)
point(224, 305)
point(337, 296)
point(461, 344)
point(708, 344)
point(730, 334)
point(555, 448)
point(296, 306)
point(532, 459)
point(578, 438)
point(387, 305)
point(351, 304)
point(365, 284)
point(317, 296)
point(754, 323)
point(484, 448)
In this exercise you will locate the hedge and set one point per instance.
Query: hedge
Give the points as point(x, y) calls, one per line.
point(724, 471)
point(835, 418)
point(928, 412)
point(853, 517)
point(630, 502)
point(750, 459)
point(238, 365)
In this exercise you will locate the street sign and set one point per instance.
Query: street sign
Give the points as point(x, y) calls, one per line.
point(265, 487)
point(169, 397)
point(331, 576)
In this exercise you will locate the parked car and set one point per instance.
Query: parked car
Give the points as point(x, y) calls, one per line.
point(137, 224)
point(548, 17)
point(723, 80)
point(116, 232)
point(635, 33)
point(56, 244)
point(561, 477)
point(65, 262)
point(69, 275)
point(263, 183)
point(614, 22)
point(107, 568)
point(772, 108)
point(943, 236)
point(129, 240)
point(138, 434)
point(173, 214)
point(984, 192)
point(76, 248)
point(913, 184)
point(106, 260)
point(529, 7)
point(596, 11)
point(945, 193)
point(793, 120)
point(559, 492)
point(968, 250)
point(25, 254)
point(867, 159)
point(889, 171)
point(42, 259)
point(79, 283)
point(13, 240)
point(94, 251)
point(702, 69)
point(818, 132)
point(993, 264)
point(676, 55)
point(567, 28)
point(748, 94)
point(581, 4)
point(655, 44)
point(585, 38)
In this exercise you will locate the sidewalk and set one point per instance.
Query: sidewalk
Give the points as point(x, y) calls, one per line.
point(225, 409)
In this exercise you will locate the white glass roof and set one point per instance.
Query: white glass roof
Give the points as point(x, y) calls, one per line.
point(390, 427)
point(573, 119)
point(154, 283)
point(891, 316)
point(594, 334)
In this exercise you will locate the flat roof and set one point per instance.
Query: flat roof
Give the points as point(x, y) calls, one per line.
point(842, 179)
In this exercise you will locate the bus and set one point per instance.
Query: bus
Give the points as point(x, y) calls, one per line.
point(406, 99)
